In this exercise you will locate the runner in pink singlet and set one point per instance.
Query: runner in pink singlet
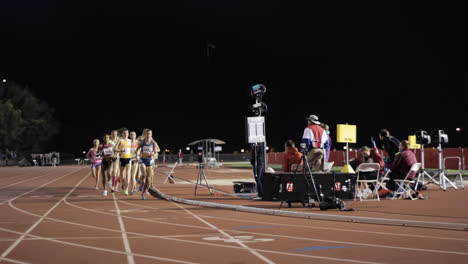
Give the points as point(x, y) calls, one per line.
point(95, 157)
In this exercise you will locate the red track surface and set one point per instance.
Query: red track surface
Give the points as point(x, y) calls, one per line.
point(53, 215)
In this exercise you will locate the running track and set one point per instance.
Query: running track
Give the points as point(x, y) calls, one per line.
point(53, 215)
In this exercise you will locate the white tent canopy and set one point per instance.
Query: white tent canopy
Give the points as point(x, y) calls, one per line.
point(209, 147)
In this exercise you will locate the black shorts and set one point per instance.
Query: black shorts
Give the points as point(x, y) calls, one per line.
point(106, 163)
point(124, 162)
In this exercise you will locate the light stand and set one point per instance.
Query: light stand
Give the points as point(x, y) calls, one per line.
point(347, 168)
point(443, 180)
point(201, 173)
point(256, 132)
point(422, 173)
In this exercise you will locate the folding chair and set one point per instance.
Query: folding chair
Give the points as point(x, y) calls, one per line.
point(369, 169)
point(404, 185)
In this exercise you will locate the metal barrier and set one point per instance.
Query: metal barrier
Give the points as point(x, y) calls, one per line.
point(47, 159)
point(459, 175)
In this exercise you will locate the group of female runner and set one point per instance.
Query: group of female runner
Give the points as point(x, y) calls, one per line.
point(124, 159)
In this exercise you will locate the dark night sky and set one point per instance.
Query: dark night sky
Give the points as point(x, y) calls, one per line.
point(103, 65)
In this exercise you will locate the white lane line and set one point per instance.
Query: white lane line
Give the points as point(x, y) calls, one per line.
point(13, 261)
point(320, 240)
point(130, 258)
point(19, 175)
point(260, 256)
point(188, 241)
point(308, 227)
point(31, 228)
point(105, 237)
point(179, 240)
point(217, 245)
point(97, 248)
point(13, 184)
point(37, 188)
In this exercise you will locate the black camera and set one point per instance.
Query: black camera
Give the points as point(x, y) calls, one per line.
point(332, 203)
point(439, 137)
point(303, 147)
point(258, 90)
point(200, 155)
point(422, 137)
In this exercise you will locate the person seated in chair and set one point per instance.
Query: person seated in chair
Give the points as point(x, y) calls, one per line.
point(292, 156)
point(400, 167)
point(368, 156)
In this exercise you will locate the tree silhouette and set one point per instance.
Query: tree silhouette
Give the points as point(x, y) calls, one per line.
point(26, 123)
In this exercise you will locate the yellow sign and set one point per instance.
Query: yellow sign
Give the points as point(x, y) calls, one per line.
point(412, 142)
point(346, 133)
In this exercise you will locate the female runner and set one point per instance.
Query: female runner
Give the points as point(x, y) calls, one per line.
point(135, 162)
point(107, 150)
point(115, 172)
point(141, 171)
point(149, 151)
point(95, 157)
point(124, 147)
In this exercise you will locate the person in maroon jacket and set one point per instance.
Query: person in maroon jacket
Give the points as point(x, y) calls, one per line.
point(401, 166)
point(292, 156)
point(372, 156)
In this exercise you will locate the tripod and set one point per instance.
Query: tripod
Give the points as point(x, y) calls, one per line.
point(441, 173)
point(422, 173)
point(201, 173)
point(309, 180)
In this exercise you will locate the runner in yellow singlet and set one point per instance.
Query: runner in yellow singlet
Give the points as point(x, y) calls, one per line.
point(124, 148)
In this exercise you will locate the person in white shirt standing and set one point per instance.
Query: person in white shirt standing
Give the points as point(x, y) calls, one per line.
point(315, 139)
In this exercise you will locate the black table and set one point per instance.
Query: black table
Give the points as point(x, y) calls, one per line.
point(341, 185)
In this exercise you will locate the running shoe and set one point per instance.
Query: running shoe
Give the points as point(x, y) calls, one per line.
point(104, 193)
point(96, 188)
point(126, 192)
point(141, 188)
point(109, 183)
point(131, 193)
point(143, 197)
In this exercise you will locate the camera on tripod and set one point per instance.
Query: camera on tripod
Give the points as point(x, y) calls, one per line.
point(200, 155)
point(439, 137)
point(258, 91)
point(303, 147)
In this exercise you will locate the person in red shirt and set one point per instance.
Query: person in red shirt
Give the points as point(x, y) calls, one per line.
point(372, 156)
point(292, 156)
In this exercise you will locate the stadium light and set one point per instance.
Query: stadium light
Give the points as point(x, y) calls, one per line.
point(3, 80)
point(458, 129)
point(242, 150)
